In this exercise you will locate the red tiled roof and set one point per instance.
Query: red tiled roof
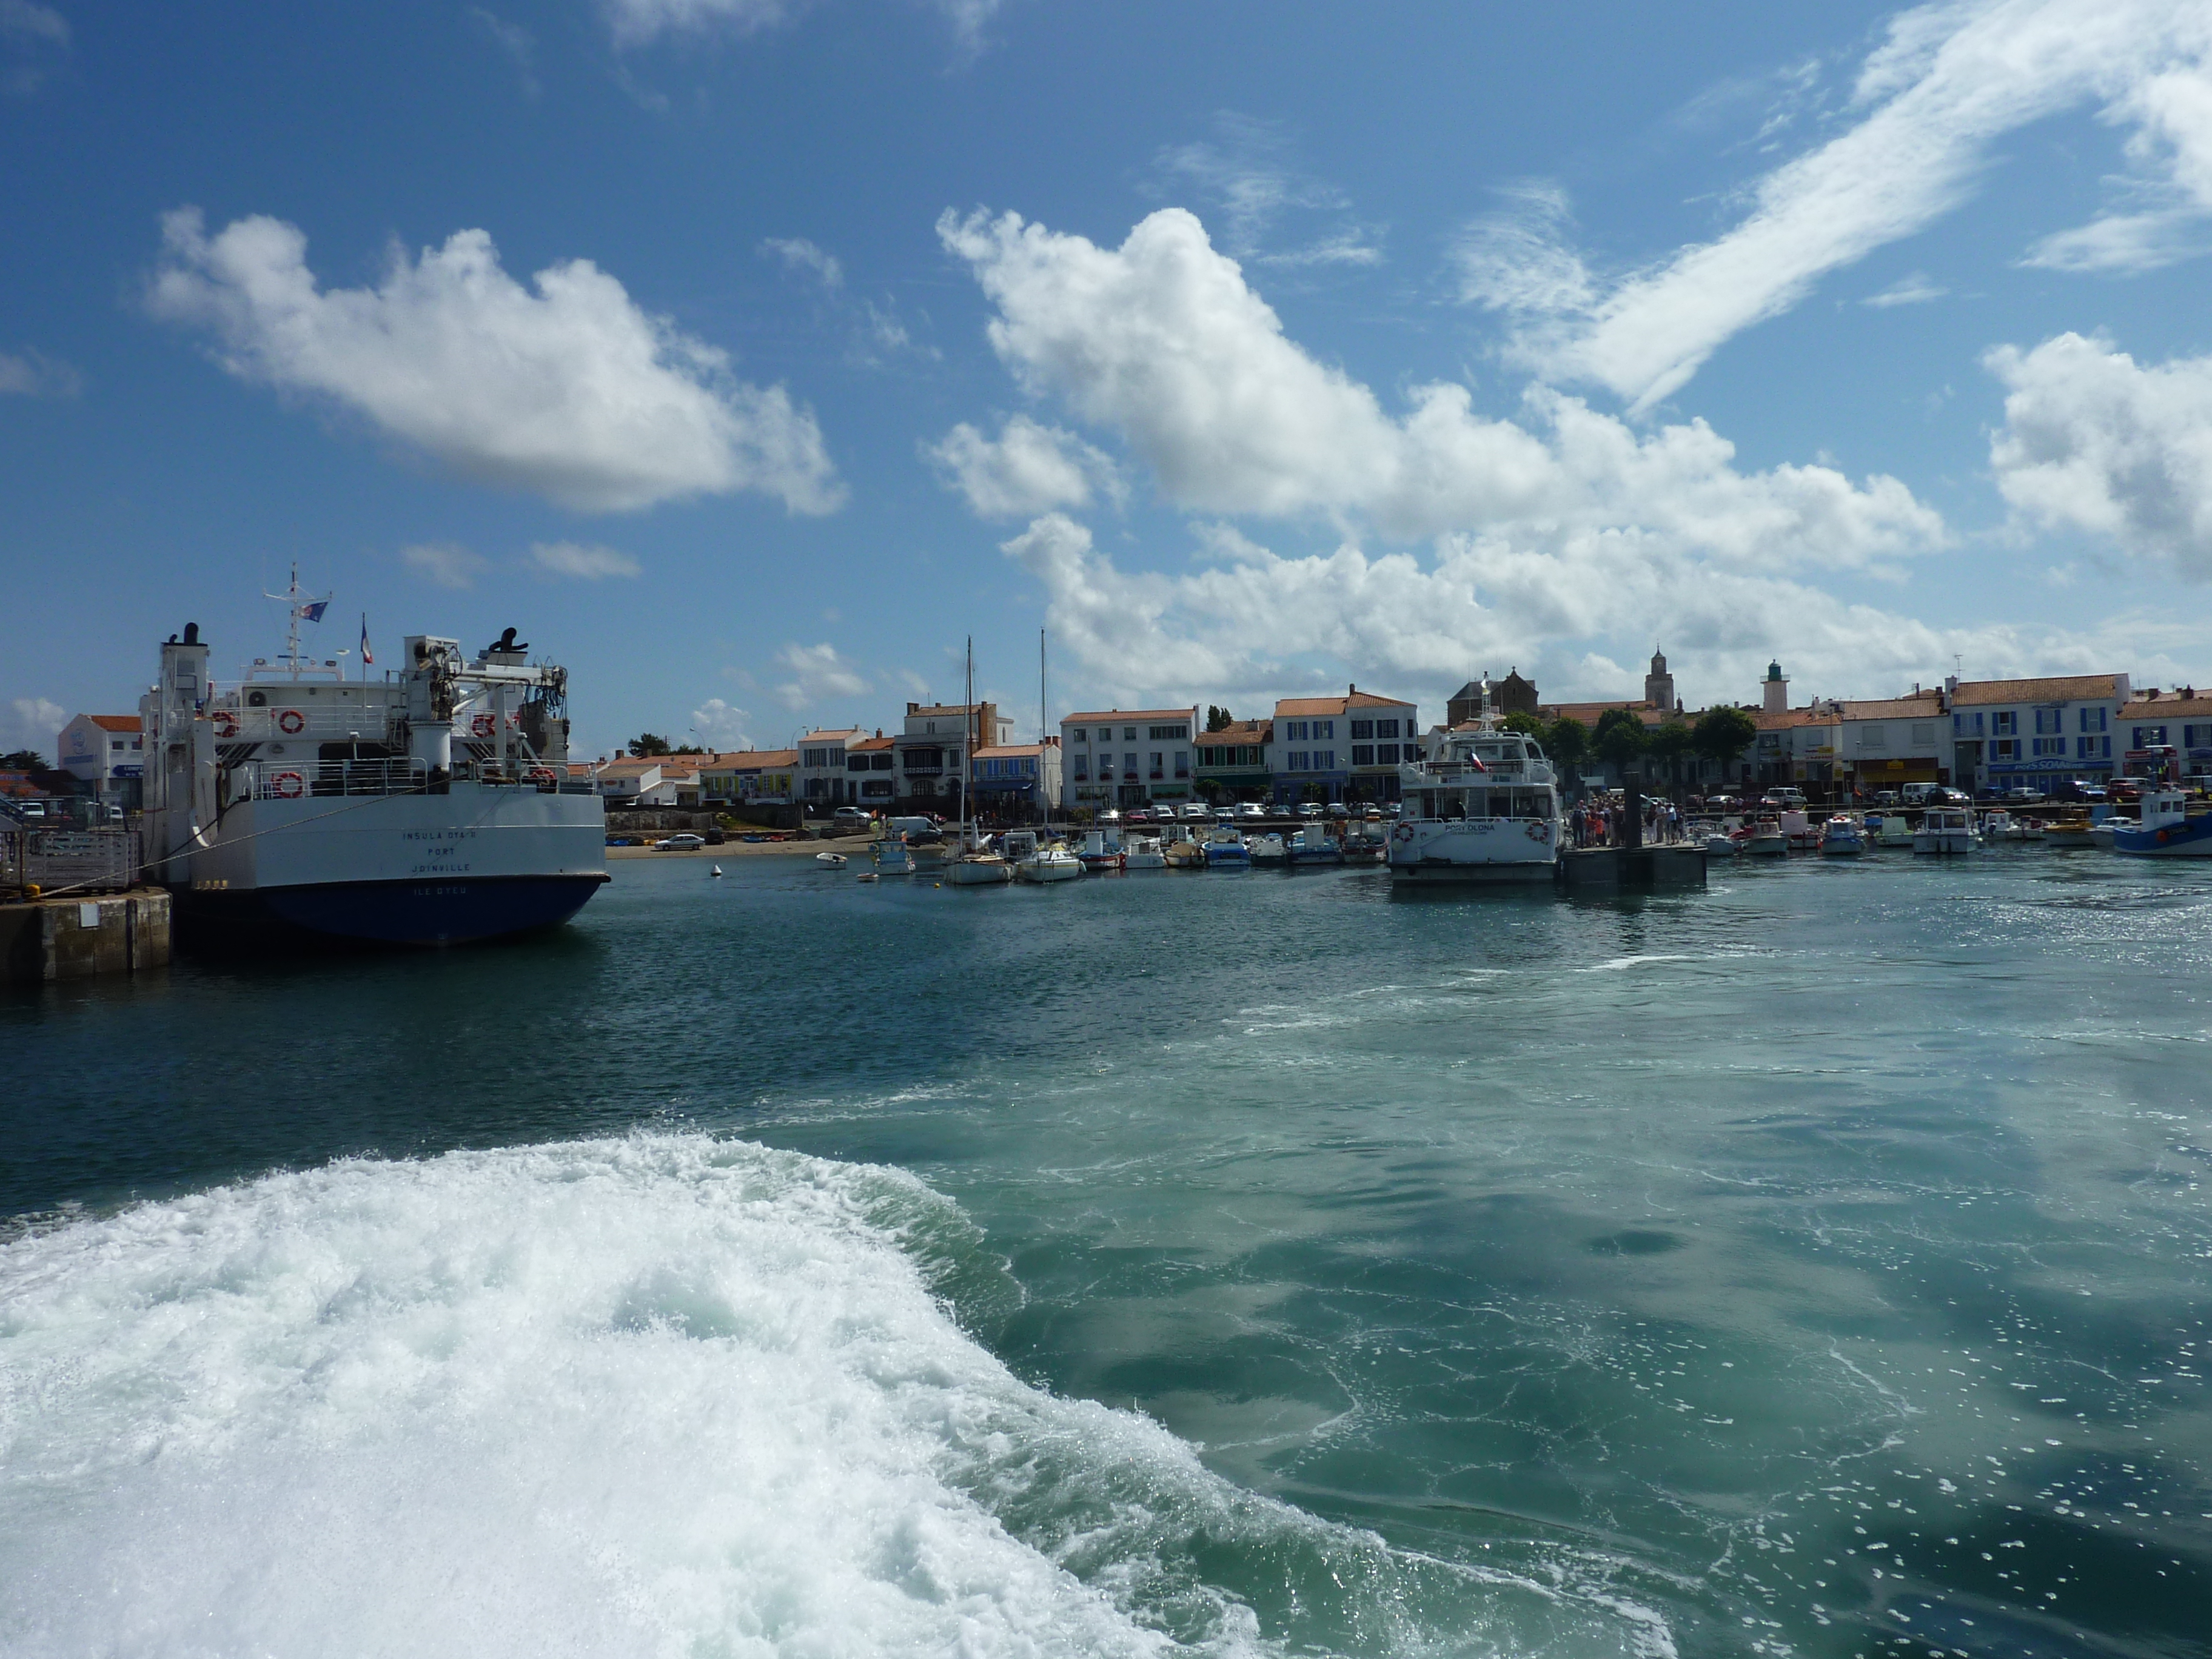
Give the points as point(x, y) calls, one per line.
point(1921, 705)
point(116, 722)
point(2064, 687)
point(1129, 715)
point(1293, 708)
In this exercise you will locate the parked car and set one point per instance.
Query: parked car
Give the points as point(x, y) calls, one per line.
point(1393, 809)
point(1884, 798)
point(2079, 789)
point(1338, 809)
point(1941, 796)
point(850, 817)
point(1310, 809)
point(1109, 816)
point(1195, 811)
point(685, 842)
point(1374, 814)
point(1251, 809)
point(2022, 796)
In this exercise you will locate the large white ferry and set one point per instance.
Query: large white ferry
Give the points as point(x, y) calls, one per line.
point(433, 806)
point(1483, 807)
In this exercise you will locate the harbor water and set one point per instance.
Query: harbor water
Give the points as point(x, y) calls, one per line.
point(1820, 1264)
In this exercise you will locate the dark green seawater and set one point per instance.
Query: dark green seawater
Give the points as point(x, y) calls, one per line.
point(1818, 1265)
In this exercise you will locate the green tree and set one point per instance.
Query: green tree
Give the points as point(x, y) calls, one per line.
point(1527, 724)
point(1219, 720)
point(1670, 744)
point(1721, 734)
point(1619, 738)
point(23, 760)
point(1566, 740)
point(645, 745)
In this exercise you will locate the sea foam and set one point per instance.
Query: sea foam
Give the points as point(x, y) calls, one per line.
point(661, 1395)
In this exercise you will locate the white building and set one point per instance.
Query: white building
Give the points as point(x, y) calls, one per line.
point(2180, 720)
point(821, 777)
point(638, 783)
point(2040, 733)
point(871, 772)
point(108, 751)
point(1342, 748)
point(1126, 756)
point(1887, 744)
point(748, 777)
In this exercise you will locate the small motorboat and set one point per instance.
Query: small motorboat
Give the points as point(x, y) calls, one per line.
point(1767, 840)
point(1100, 851)
point(1947, 830)
point(1803, 834)
point(1040, 864)
point(1268, 849)
point(892, 856)
point(1225, 850)
point(2070, 832)
point(1182, 851)
point(1890, 829)
point(830, 861)
point(1840, 838)
point(1314, 846)
point(2000, 826)
point(1145, 853)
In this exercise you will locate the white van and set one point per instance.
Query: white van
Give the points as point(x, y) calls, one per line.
point(1916, 794)
point(909, 826)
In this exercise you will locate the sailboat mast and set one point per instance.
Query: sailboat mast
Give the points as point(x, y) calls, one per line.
point(967, 744)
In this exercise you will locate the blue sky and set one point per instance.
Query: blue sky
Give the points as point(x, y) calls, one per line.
point(750, 354)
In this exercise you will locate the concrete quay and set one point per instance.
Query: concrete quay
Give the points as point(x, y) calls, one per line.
point(78, 936)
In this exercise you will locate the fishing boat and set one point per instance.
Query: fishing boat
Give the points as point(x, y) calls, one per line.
point(1225, 850)
point(1946, 829)
point(1313, 845)
point(1999, 827)
point(1033, 862)
point(1483, 808)
point(1767, 840)
point(433, 806)
point(1366, 849)
point(1804, 836)
point(891, 855)
point(2165, 830)
point(1268, 849)
point(1841, 838)
point(1102, 850)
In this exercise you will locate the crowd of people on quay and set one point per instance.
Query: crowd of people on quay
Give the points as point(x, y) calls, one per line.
point(1598, 822)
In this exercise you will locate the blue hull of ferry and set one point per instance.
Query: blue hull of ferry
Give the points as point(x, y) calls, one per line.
point(424, 912)
point(2192, 840)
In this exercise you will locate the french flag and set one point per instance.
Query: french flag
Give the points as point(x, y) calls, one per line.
point(367, 655)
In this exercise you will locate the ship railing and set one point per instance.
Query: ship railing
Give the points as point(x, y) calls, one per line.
point(282, 780)
point(356, 722)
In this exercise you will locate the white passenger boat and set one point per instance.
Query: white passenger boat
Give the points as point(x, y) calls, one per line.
point(2165, 829)
point(1841, 838)
point(432, 806)
point(1946, 829)
point(1268, 849)
point(1484, 809)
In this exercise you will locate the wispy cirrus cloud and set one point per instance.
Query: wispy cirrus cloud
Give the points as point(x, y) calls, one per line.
point(32, 374)
point(448, 564)
point(1247, 171)
point(589, 564)
point(566, 388)
point(1948, 81)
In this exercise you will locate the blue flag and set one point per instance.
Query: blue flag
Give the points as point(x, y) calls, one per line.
point(314, 612)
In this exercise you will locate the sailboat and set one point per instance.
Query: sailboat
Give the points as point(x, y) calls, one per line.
point(975, 866)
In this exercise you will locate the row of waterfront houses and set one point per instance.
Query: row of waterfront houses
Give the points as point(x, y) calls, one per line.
point(1975, 734)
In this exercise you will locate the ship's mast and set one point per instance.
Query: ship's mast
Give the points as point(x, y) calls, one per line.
point(297, 609)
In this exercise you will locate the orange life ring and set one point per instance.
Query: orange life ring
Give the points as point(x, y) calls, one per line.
point(287, 785)
point(291, 722)
point(1539, 830)
point(482, 725)
point(1403, 832)
point(225, 725)
point(541, 775)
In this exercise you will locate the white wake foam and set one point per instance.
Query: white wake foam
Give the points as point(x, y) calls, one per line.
point(640, 1397)
point(659, 1395)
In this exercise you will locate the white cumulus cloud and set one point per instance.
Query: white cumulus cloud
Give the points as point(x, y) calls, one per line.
point(565, 388)
point(2094, 441)
point(1163, 340)
point(447, 563)
point(1028, 469)
point(32, 723)
point(34, 374)
point(1950, 80)
point(722, 726)
point(817, 671)
point(574, 559)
